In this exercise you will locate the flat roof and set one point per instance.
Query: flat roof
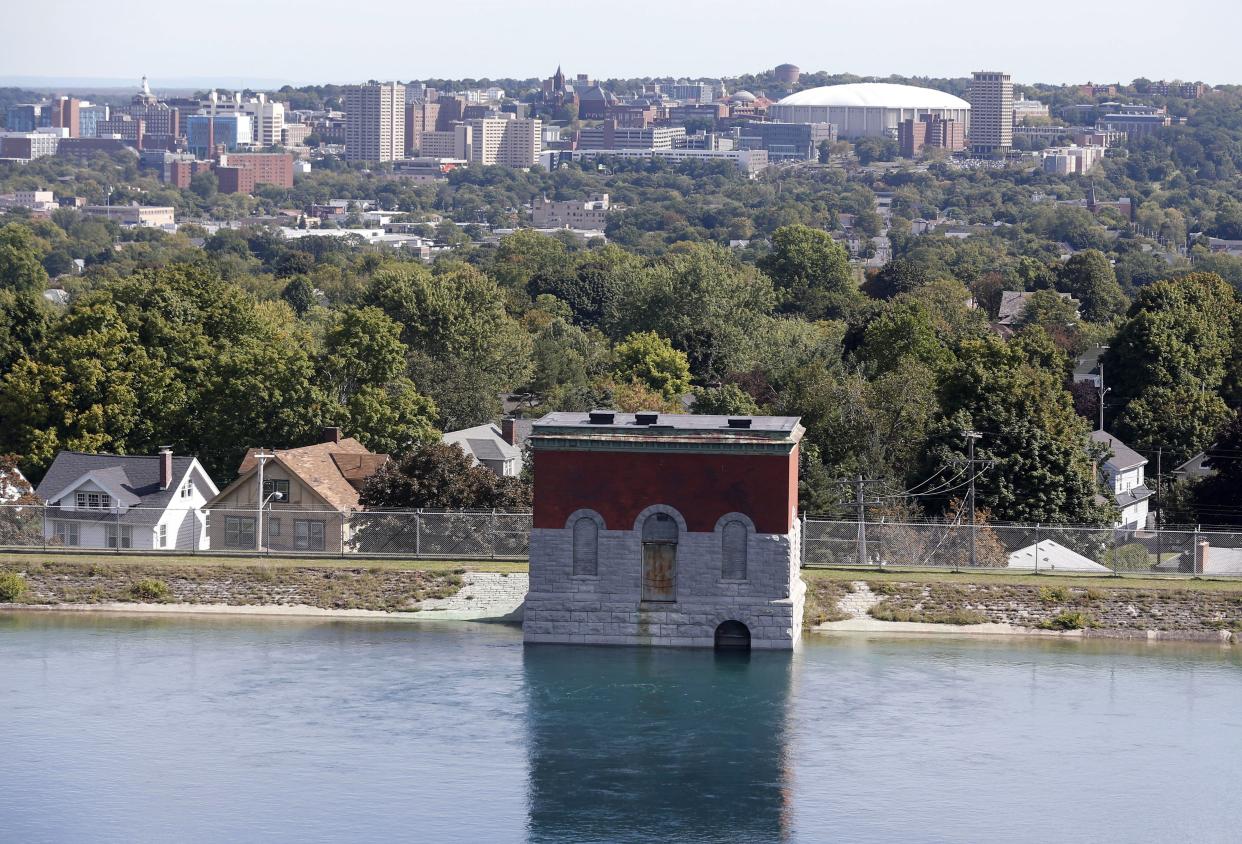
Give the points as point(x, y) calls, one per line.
point(668, 421)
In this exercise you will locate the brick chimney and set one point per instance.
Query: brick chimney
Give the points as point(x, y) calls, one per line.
point(507, 432)
point(331, 434)
point(165, 466)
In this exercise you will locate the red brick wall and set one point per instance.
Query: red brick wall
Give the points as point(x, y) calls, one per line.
point(702, 487)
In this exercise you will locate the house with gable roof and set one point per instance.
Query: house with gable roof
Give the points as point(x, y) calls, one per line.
point(1123, 474)
point(149, 502)
point(316, 490)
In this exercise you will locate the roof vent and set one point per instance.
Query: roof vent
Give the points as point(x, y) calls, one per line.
point(601, 417)
point(646, 418)
point(739, 422)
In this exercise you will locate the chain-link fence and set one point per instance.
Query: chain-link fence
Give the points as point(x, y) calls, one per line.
point(1033, 548)
point(273, 530)
point(460, 534)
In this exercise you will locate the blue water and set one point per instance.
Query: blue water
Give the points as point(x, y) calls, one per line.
point(187, 730)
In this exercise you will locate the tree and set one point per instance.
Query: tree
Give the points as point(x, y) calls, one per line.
point(441, 475)
point(648, 358)
point(363, 371)
point(20, 267)
point(205, 185)
point(897, 276)
point(824, 152)
point(1088, 277)
point(1048, 311)
point(809, 267)
point(1176, 344)
point(725, 400)
point(464, 348)
point(300, 294)
point(1040, 470)
point(1218, 497)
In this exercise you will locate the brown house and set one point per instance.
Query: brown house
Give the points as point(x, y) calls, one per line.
point(317, 488)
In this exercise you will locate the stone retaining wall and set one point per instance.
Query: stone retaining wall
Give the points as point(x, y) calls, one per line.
point(1114, 611)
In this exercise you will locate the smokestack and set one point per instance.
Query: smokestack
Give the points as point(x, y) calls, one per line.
point(507, 426)
point(331, 434)
point(165, 466)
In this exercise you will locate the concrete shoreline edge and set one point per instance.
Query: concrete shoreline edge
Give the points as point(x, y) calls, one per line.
point(847, 627)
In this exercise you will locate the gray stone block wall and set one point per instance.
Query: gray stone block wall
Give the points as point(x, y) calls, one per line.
point(607, 608)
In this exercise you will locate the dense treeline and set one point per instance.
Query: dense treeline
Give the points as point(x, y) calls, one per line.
point(255, 339)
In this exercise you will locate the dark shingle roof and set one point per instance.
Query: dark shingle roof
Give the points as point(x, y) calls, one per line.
point(1124, 457)
point(137, 477)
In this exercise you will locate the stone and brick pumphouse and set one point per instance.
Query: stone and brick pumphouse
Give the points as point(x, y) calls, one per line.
point(665, 529)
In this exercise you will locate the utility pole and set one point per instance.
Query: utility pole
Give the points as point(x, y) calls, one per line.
point(1102, 389)
point(262, 456)
point(1159, 504)
point(971, 463)
point(860, 502)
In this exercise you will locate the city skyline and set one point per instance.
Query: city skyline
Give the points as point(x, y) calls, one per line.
point(1107, 42)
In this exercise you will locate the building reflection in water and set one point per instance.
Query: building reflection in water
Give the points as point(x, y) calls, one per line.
point(634, 744)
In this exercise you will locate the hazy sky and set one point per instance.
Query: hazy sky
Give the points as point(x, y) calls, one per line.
point(339, 41)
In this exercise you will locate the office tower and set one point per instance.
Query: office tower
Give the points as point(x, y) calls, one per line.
point(991, 113)
point(375, 122)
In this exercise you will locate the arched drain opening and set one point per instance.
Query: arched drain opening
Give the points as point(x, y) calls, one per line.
point(732, 636)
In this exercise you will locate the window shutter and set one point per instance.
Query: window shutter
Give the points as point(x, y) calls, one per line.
point(734, 557)
point(586, 547)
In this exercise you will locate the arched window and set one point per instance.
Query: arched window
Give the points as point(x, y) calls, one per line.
point(733, 559)
point(659, 558)
point(586, 547)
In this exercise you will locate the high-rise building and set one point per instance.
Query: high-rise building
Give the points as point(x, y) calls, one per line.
point(991, 113)
point(89, 118)
point(267, 118)
point(66, 114)
point(509, 143)
point(375, 122)
point(420, 116)
point(205, 132)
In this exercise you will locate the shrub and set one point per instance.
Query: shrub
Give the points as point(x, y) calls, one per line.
point(1054, 594)
point(150, 589)
point(1067, 620)
point(12, 586)
point(1132, 557)
point(956, 615)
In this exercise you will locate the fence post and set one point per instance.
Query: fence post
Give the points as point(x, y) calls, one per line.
point(43, 510)
point(1116, 568)
point(418, 530)
point(493, 532)
point(879, 560)
point(1037, 547)
point(1196, 562)
point(802, 544)
point(118, 528)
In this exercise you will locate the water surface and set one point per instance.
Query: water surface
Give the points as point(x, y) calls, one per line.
point(142, 729)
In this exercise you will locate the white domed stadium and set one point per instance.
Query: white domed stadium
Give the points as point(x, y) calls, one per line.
point(868, 109)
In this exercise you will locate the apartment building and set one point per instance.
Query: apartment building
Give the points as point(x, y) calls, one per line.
point(375, 122)
point(453, 143)
point(508, 143)
point(572, 213)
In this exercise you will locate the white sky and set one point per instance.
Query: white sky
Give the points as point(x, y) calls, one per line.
point(310, 41)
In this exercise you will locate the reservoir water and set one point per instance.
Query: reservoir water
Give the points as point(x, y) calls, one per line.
point(134, 729)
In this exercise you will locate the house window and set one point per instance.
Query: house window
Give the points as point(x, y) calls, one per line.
point(586, 547)
point(120, 536)
point(66, 533)
point(238, 532)
point(273, 527)
point(187, 488)
point(92, 500)
point(161, 536)
point(733, 558)
point(271, 485)
point(308, 535)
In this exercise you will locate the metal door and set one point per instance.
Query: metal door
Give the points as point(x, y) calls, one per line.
point(659, 571)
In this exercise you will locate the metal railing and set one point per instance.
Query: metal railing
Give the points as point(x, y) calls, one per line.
point(460, 534)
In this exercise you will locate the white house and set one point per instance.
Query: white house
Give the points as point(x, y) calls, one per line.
point(1123, 475)
point(488, 447)
point(126, 501)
